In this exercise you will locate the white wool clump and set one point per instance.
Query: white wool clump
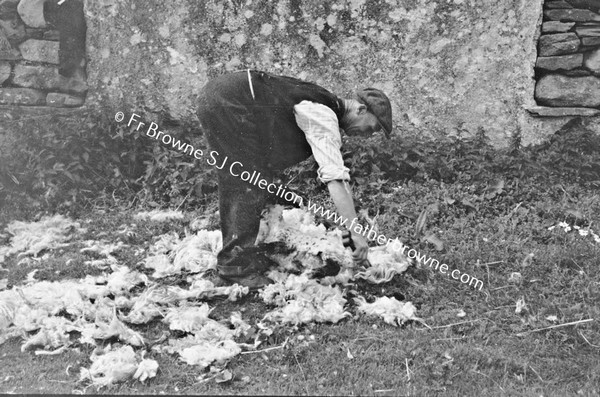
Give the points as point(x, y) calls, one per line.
point(386, 262)
point(147, 369)
point(195, 253)
point(205, 289)
point(313, 245)
point(211, 340)
point(102, 248)
point(111, 366)
point(54, 297)
point(102, 311)
point(102, 263)
point(159, 215)
point(144, 308)
point(304, 300)
point(165, 243)
point(214, 331)
point(391, 310)
point(161, 264)
point(296, 227)
point(30, 238)
point(187, 318)
point(211, 240)
point(153, 301)
point(93, 287)
point(166, 295)
point(54, 333)
point(177, 345)
point(122, 280)
point(240, 326)
point(205, 353)
point(190, 257)
point(28, 318)
point(10, 301)
point(114, 328)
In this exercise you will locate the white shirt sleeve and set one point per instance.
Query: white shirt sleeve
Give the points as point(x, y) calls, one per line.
point(321, 127)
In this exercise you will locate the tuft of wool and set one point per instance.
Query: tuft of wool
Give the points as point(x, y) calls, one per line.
point(214, 331)
point(205, 353)
point(205, 289)
point(161, 264)
point(54, 333)
point(198, 253)
point(144, 309)
point(240, 326)
point(297, 229)
point(390, 310)
point(303, 300)
point(195, 253)
point(146, 369)
point(188, 318)
point(210, 341)
point(30, 238)
point(386, 262)
point(102, 248)
point(165, 243)
point(53, 298)
point(111, 366)
point(10, 301)
point(313, 245)
point(122, 280)
point(107, 330)
point(159, 215)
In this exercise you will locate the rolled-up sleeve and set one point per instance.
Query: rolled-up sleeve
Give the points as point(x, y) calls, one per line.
point(321, 127)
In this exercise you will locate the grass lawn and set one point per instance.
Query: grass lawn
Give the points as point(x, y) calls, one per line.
point(477, 344)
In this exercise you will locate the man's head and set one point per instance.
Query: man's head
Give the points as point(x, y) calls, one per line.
point(370, 112)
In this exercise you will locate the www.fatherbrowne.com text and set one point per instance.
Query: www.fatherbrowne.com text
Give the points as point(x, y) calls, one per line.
point(236, 169)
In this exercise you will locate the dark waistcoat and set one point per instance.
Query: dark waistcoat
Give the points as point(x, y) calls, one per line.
point(255, 122)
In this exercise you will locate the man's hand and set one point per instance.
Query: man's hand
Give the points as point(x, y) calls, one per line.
point(342, 197)
point(361, 249)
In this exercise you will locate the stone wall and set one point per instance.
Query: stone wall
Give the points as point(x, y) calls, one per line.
point(568, 64)
point(447, 65)
point(34, 60)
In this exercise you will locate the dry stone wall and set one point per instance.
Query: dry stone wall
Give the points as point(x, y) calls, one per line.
point(447, 65)
point(35, 50)
point(505, 66)
point(568, 63)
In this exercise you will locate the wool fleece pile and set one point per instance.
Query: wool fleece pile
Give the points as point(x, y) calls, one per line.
point(104, 311)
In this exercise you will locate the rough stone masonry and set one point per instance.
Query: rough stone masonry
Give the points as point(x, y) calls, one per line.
point(568, 64)
point(33, 54)
point(448, 65)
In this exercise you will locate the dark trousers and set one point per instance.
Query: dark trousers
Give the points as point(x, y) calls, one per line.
point(232, 128)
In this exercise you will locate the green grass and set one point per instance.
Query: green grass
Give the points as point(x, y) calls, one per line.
point(486, 233)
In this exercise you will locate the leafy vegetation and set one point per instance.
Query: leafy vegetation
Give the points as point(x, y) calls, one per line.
point(79, 161)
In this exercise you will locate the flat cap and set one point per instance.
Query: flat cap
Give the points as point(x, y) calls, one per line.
point(378, 104)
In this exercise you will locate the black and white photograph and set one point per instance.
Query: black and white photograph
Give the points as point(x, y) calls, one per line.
point(300, 197)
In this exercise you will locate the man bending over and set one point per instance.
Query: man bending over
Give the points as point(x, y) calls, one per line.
point(269, 123)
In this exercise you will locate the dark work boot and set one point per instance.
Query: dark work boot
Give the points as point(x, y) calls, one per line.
point(252, 281)
point(214, 277)
point(248, 270)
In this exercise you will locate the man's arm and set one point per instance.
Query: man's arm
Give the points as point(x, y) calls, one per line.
point(321, 127)
point(342, 197)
